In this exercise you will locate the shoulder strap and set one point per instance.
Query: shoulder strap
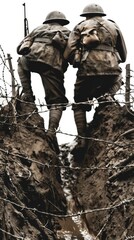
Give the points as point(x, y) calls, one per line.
point(103, 23)
point(121, 46)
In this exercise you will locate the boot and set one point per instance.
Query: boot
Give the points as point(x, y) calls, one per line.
point(80, 121)
point(54, 119)
point(28, 97)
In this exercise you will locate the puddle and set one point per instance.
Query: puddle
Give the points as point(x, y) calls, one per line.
point(73, 228)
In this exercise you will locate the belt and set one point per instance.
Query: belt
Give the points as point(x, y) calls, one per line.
point(43, 40)
point(105, 48)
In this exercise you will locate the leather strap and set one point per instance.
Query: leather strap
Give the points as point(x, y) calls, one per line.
point(43, 40)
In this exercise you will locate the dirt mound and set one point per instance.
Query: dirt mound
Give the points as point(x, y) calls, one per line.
point(105, 181)
point(32, 198)
point(30, 193)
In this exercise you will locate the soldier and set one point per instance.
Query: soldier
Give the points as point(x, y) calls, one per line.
point(42, 52)
point(96, 47)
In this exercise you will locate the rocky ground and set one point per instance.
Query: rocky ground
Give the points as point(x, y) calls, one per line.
point(42, 195)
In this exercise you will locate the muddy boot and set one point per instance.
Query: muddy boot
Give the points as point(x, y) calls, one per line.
point(28, 97)
point(54, 119)
point(79, 148)
point(52, 141)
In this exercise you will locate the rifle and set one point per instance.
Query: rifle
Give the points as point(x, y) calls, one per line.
point(24, 48)
point(26, 28)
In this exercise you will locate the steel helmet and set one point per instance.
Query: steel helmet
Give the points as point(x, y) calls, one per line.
point(56, 16)
point(93, 9)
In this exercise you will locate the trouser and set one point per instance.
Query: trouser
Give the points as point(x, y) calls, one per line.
point(52, 80)
point(87, 88)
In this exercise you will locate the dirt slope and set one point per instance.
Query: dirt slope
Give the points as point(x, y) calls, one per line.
point(32, 199)
point(105, 183)
point(31, 193)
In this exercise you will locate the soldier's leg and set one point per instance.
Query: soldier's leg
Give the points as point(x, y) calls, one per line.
point(110, 85)
point(116, 85)
point(81, 124)
point(25, 78)
point(56, 103)
point(80, 107)
point(55, 114)
point(54, 119)
point(55, 97)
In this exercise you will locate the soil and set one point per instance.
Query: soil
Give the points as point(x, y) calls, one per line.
point(48, 196)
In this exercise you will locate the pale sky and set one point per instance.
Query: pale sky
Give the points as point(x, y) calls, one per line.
point(12, 32)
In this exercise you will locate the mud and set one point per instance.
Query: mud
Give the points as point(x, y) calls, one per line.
point(46, 196)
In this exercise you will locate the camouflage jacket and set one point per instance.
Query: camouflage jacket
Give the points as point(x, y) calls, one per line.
point(101, 57)
point(43, 49)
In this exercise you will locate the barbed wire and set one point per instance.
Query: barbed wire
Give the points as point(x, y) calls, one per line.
point(80, 213)
point(5, 94)
point(12, 235)
point(70, 104)
point(129, 238)
point(28, 115)
point(111, 207)
point(50, 165)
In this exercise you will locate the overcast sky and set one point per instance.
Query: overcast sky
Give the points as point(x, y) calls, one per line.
point(12, 32)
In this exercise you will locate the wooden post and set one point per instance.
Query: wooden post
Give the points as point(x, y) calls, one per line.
point(13, 88)
point(127, 90)
point(12, 74)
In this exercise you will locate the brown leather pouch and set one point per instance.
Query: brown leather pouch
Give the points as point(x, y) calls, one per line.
point(25, 47)
point(90, 38)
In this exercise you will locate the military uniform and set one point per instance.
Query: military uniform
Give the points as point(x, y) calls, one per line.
point(47, 60)
point(96, 47)
point(42, 52)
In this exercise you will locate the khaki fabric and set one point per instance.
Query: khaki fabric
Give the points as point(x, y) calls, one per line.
point(42, 49)
point(103, 58)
